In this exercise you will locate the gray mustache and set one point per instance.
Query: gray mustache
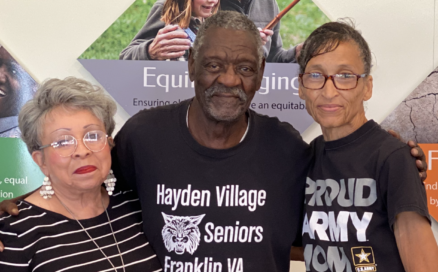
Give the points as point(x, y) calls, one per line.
point(219, 89)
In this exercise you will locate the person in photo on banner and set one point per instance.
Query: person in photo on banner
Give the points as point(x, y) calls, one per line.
point(221, 186)
point(16, 87)
point(366, 206)
point(158, 40)
point(73, 223)
point(187, 16)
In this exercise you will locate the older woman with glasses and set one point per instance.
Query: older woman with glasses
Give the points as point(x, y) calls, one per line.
point(73, 223)
point(366, 207)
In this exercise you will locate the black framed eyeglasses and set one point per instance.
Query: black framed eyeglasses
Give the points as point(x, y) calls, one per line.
point(66, 145)
point(342, 81)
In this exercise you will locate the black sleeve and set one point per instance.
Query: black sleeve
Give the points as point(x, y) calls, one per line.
point(138, 48)
point(404, 190)
point(122, 161)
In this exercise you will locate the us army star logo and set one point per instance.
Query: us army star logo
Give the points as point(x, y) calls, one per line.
point(363, 256)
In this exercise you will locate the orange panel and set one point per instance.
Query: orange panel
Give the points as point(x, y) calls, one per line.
point(431, 183)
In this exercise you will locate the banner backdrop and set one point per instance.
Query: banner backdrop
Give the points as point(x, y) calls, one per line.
point(18, 173)
point(142, 84)
point(416, 118)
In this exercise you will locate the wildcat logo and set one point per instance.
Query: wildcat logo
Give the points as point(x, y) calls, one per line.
point(181, 233)
point(363, 258)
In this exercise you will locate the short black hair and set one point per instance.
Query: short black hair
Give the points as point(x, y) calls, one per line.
point(327, 38)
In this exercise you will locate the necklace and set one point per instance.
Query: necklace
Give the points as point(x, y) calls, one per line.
point(243, 137)
point(89, 236)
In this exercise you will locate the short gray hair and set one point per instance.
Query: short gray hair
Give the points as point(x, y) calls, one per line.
point(71, 93)
point(229, 20)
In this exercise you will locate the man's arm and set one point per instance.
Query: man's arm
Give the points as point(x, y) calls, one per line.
point(415, 241)
point(9, 206)
point(297, 254)
point(417, 153)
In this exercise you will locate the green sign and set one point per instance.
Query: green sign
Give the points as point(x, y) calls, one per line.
point(19, 174)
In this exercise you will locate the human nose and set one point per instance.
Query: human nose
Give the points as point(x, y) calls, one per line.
point(329, 91)
point(229, 78)
point(81, 149)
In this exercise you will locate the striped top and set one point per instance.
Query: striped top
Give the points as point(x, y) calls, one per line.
point(41, 240)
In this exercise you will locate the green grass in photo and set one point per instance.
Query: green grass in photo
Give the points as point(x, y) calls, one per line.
point(295, 27)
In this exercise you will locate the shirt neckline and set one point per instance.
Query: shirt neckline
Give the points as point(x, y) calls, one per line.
point(360, 132)
point(209, 152)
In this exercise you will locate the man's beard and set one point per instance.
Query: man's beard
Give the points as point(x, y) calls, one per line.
point(224, 115)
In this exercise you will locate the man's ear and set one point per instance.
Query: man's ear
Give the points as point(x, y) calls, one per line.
point(191, 64)
point(261, 73)
point(38, 158)
point(368, 86)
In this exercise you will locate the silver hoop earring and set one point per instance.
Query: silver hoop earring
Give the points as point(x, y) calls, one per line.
point(110, 182)
point(46, 190)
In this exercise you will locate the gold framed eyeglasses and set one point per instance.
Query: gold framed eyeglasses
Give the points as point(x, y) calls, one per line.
point(66, 145)
point(342, 81)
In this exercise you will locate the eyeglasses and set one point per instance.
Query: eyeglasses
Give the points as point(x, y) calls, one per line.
point(344, 81)
point(66, 145)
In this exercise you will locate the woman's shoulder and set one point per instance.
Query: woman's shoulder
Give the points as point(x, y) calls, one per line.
point(25, 210)
point(30, 218)
point(124, 200)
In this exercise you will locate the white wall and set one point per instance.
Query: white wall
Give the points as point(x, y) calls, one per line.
point(47, 36)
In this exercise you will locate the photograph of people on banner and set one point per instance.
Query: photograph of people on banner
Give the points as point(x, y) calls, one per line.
point(16, 87)
point(164, 29)
point(17, 168)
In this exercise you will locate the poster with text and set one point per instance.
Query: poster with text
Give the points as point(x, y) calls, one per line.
point(18, 173)
point(124, 58)
point(416, 118)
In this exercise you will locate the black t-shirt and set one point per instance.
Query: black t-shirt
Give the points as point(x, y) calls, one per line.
point(355, 188)
point(236, 209)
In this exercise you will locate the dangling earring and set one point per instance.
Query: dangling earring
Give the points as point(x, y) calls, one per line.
point(110, 182)
point(46, 190)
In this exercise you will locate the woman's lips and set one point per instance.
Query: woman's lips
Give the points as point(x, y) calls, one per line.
point(85, 169)
point(2, 93)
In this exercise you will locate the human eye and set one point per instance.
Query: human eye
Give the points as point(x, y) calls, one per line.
point(64, 141)
point(315, 76)
point(246, 70)
point(94, 136)
point(13, 69)
point(212, 67)
point(345, 76)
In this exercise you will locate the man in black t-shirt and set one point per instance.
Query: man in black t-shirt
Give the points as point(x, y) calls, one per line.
point(366, 207)
point(221, 187)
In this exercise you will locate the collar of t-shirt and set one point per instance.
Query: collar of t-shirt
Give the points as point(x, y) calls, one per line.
point(246, 147)
point(359, 133)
